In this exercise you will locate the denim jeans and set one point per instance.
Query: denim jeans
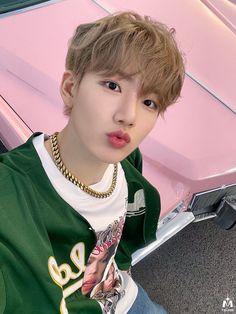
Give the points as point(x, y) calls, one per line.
point(144, 305)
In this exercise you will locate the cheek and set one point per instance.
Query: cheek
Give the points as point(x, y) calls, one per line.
point(83, 115)
point(146, 125)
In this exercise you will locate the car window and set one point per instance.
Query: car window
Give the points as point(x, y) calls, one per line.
point(7, 6)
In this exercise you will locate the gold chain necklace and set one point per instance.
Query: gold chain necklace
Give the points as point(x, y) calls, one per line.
point(66, 173)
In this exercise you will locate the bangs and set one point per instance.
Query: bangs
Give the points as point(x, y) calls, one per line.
point(133, 51)
point(128, 65)
point(126, 45)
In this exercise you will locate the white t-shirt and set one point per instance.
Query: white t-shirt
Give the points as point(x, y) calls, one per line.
point(107, 217)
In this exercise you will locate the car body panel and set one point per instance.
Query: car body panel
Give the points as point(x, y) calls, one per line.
point(208, 43)
point(224, 10)
point(191, 149)
point(13, 129)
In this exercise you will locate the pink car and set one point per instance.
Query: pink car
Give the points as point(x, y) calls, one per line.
point(190, 156)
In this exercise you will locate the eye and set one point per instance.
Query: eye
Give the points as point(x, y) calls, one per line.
point(150, 104)
point(113, 86)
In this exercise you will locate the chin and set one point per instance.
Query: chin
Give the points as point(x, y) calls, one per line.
point(113, 158)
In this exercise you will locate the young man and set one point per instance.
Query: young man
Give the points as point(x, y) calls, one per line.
point(74, 205)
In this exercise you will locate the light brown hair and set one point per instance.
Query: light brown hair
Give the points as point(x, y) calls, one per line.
point(127, 44)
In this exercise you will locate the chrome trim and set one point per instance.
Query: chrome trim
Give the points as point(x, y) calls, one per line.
point(212, 93)
point(101, 5)
point(204, 217)
point(29, 8)
point(213, 196)
point(163, 234)
point(15, 113)
point(171, 215)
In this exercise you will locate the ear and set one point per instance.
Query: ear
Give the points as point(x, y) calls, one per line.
point(67, 88)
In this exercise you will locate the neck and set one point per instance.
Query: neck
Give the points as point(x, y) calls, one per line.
point(84, 167)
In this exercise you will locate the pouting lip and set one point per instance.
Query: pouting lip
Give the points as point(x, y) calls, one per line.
point(120, 134)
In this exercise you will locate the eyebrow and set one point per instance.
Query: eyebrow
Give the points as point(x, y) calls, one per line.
point(121, 75)
point(126, 76)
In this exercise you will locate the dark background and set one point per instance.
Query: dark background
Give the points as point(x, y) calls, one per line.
point(2, 148)
point(11, 5)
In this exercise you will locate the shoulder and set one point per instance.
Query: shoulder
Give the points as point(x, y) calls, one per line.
point(11, 177)
point(14, 166)
point(135, 158)
point(16, 186)
point(20, 158)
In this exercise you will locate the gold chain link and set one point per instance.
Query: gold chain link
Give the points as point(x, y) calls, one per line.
point(68, 175)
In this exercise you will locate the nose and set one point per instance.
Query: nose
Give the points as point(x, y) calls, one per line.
point(126, 111)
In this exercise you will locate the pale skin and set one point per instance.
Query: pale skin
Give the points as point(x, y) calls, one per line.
point(100, 105)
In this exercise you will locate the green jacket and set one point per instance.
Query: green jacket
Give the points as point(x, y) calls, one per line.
point(44, 243)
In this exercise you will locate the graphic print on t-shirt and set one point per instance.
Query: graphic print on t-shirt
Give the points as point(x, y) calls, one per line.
point(101, 280)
